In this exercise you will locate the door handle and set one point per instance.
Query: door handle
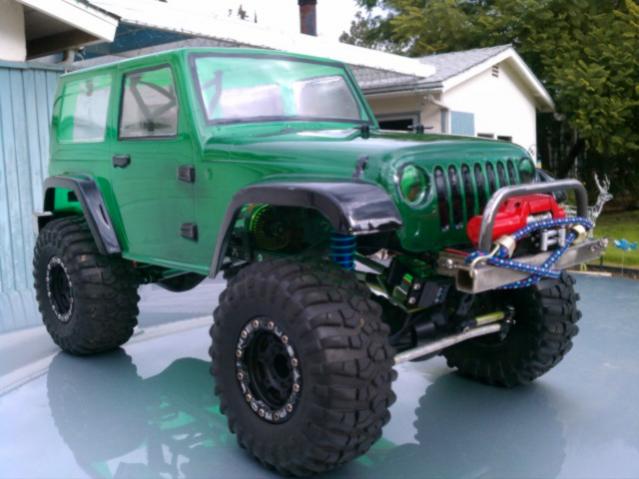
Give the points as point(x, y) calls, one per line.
point(121, 161)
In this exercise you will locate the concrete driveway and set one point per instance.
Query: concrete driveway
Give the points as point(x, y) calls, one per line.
point(149, 411)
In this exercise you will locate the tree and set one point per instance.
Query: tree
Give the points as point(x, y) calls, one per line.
point(585, 52)
point(242, 14)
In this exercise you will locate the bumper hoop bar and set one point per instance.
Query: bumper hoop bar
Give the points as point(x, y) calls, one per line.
point(502, 194)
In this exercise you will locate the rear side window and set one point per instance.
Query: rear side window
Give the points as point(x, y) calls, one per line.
point(83, 110)
point(149, 105)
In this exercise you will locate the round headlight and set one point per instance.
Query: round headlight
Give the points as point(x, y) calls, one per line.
point(526, 170)
point(413, 184)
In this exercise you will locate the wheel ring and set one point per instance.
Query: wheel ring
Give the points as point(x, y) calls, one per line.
point(59, 289)
point(253, 380)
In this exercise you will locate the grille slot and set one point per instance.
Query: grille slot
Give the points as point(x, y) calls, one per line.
point(492, 181)
point(455, 187)
point(480, 181)
point(501, 173)
point(511, 172)
point(442, 198)
point(468, 191)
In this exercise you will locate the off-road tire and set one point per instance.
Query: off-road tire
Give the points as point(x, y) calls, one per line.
point(544, 324)
point(103, 289)
point(344, 357)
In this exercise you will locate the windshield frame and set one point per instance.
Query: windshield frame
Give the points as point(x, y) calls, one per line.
point(348, 76)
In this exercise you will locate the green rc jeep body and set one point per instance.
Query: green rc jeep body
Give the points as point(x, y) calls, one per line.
point(346, 249)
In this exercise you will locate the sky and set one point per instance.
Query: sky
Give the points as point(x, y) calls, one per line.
point(333, 16)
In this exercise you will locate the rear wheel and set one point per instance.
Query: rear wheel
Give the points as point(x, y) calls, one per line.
point(89, 302)
point(302, 365)
point(545, 318)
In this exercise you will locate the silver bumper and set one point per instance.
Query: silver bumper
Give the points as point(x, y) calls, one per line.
point(484, 277)
point(490, 211)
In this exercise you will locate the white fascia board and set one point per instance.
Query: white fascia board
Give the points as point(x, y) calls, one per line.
point(538, 90)
point(541, 93)
point(80, 16)
point(166, 17)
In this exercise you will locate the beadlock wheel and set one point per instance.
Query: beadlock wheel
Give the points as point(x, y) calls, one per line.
point(268, 370)
point(59, 289)
point(302, 364)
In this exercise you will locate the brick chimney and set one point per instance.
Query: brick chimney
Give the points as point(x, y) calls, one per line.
point(308, 16)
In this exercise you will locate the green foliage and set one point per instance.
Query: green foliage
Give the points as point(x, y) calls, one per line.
point(585, 51)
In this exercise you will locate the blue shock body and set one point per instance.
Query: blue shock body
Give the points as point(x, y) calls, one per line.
point(343, 250)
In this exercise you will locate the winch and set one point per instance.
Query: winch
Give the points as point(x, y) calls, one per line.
point(519, 211)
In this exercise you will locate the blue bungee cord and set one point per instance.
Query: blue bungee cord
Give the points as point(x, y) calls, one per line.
point(501, 258)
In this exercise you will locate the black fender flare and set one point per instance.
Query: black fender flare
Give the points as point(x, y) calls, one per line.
point(92, 202)
point(351, 207)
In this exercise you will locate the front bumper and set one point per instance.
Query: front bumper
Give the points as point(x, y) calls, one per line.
point(482, 277)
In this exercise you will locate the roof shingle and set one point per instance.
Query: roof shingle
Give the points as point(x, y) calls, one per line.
point(447, 65)
point(451, 64)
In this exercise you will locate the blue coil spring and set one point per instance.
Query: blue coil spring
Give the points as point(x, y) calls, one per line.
point(536, 273)
point(343, 250)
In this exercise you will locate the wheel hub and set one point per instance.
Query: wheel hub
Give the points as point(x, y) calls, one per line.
point(59, 289)
point(268, 370)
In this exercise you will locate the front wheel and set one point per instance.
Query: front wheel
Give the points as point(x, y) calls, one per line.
point(302, 365)
point(544, 324)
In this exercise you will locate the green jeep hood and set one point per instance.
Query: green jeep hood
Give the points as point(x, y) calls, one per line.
point(284, 154)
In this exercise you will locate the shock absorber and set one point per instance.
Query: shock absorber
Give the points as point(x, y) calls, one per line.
point(343, 250)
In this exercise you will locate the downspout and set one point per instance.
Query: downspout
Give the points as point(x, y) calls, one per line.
point(69, 56)
point(443, 110)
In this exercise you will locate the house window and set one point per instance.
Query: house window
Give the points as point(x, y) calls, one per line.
point(400, 122)
point(462, 123)
point(83, 114)
point(149, 105)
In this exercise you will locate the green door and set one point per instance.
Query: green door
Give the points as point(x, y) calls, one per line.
point(151, 174)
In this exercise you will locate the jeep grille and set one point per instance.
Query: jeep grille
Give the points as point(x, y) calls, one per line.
point(463, 193)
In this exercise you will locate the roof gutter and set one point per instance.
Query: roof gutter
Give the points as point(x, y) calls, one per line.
point(402, 90)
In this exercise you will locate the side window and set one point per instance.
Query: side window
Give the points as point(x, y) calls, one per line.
point(149, 104)
point(83, 110)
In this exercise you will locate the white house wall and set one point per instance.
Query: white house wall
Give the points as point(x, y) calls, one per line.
point(432, 117)
point(13, 45)
point(404, 105)
point(501, 106)
point(395, 104)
